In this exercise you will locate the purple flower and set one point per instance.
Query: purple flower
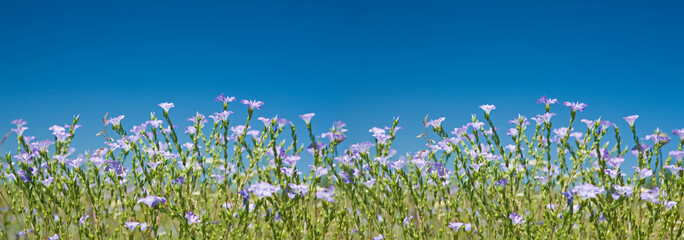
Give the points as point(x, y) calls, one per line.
point(190, 130)
point(669, 204)
point(218, 177)
point(589, 123)
point(569, 196)
point(612, 172)
point(382, 138)
point(166, 106)
point(154, 123)
point(377, 131)
point(83, 220)
point(178, 181)
point(501, 182)
point(287, 171)
point(379, 237)
point(24, 176)
point(546, 101)
point(420, 163)
point(346, 178)
point(319, 171)
point(115, 121)
point(643, 173)
point(252, 104)
point(131, 225)
point(475, 125)
point(302, 189)
point(326, 194)
point(117, 167)
point(658, 137)
point(282, 122)
point(615, 161)
point(48, 181)
point(435, 123)
point(291, 160)
point(476, 166)
point(460, 131)
point(631, 119)
point(18, 122)
point(516, 219)
point(369, 183)
point(152, 201)
point(192, 218)
point(263, 189)
point(198, 119)
point(245, 195)
point(54, 237)
point(546, 118)
point(153, 165)
point(624, 190)
point(307, 117)
point(19, 130)
point(519, 119)
point(457, 225)
point(561, 132)
point(679, 133)
point(487, 108)
point(542, 179)
point(223, 116)
point(651, 195)
point(138, 129)
point(674, 169)
point(266, 121)
point(77, 162)
point(575, 106)
point(605, 124)
point(512, 132)
point(28, 139)
point(224, 99)
point(587, 190)
point(677, 155)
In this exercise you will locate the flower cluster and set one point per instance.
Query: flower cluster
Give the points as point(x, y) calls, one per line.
point(235, 180)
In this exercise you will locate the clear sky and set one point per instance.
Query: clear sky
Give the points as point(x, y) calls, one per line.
point(362, 62)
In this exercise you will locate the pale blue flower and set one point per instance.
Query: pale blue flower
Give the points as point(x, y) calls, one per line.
point(435, 123)
point(307, 117)
point(152, 201)
point(516, 219)
point(252, 104)
point(643, 173)
point(192, 218)
point(631, 119)
point(575, 106)
point(48, 181)
point(166, 106)
point(224, 99)
point(326, 194)
point(131, 225)
point(587, 190)
point(487, 108)
point(670, 204)
point(263, 189)
point(546, 101)
point(678, 155)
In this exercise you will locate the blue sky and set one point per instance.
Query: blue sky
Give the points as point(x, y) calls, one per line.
point(362, 62)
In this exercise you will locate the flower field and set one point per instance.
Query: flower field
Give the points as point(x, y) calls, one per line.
point(240, 178)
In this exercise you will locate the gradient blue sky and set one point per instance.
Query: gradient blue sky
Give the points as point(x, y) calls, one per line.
point(362, 62)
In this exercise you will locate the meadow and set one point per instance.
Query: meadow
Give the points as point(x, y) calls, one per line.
point(242, 178)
